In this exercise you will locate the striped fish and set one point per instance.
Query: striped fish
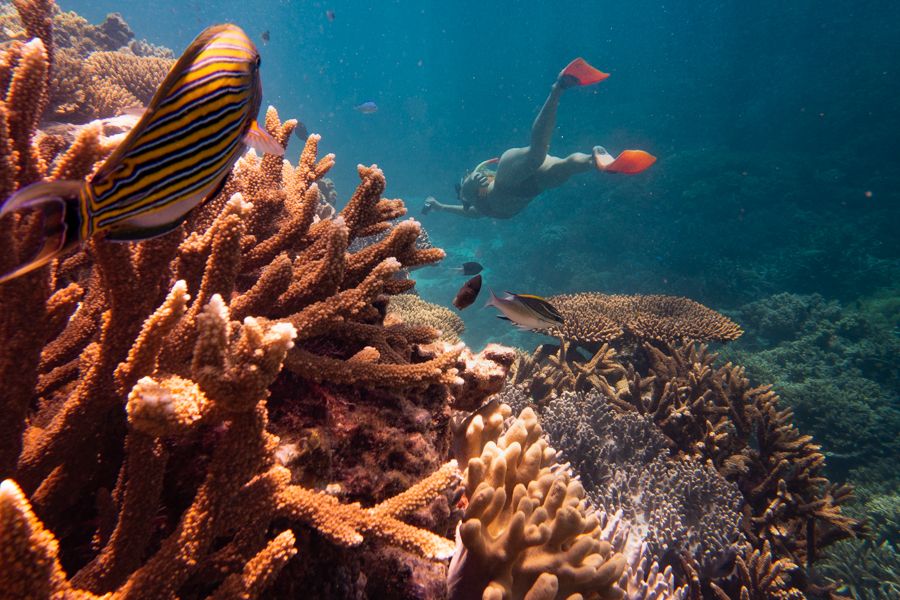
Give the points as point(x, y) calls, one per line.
point(526, 311)
point(178, 155)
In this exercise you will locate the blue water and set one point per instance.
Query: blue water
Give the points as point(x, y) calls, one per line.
point(775, 125)
point(775, 198)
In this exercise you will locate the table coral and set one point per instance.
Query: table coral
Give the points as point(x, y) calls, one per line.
point(411, 309)
point(593, 317)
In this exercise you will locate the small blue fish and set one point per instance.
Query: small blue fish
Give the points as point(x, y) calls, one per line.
point(176, 157)
point(366, 108)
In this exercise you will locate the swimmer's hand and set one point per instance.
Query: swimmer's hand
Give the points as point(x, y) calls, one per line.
point(481, 179)
point(430, 203)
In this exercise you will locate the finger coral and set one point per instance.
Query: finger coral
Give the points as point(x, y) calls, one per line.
point(528, 531)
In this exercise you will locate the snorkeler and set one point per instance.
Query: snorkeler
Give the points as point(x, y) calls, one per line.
point(503, 187)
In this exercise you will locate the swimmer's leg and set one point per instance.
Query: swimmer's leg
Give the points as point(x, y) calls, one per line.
point(518, 164)
point(556, 171)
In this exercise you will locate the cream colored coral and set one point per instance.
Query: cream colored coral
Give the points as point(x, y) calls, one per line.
point(169, 406)
point(412, 310)
point(528, 531)
point(349, 524)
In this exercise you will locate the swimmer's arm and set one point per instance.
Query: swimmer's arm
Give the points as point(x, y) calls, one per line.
point(453, 209)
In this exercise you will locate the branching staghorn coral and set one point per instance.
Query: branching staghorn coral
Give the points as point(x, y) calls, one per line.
point(528, 531)
point(146, 406)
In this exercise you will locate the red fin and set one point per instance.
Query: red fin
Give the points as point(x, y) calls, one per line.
point(581, 73)
point(260, 140)
point(631, 162)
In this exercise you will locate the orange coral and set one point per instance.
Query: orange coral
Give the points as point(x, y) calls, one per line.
point(221, 314)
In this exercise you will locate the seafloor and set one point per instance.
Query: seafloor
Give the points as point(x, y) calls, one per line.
point(256, 405)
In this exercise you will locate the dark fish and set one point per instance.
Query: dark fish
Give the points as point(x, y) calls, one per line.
point(470, 268)
point(527, 311)
point(265, 36)
point(179, 153)
point(467, 293)
point(329, 14)
point(301, 131)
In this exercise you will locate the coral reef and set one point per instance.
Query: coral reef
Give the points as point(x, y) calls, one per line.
point(712, 415)
point(528, 531)
point(98, 70)
point(836, 367)
point(184, 414)
point(514, 486)
point(683, 508)
point(865, 570)
point(592, 317)
point(411, 309)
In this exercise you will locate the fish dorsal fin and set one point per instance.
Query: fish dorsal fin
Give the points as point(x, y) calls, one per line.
point(531, 296)
point(191, 53)
point(541, 307)
point(261, 140)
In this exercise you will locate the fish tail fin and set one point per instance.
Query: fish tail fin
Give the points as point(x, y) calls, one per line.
point(262, 141)
point(58, 205)
point(492, 299)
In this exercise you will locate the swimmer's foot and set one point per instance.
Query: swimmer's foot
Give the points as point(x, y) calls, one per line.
point(629, 162)
point(602, 158)
point(579, 72)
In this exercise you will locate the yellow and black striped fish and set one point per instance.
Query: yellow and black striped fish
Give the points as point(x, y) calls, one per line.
point(179, 153)
point(526, 311)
